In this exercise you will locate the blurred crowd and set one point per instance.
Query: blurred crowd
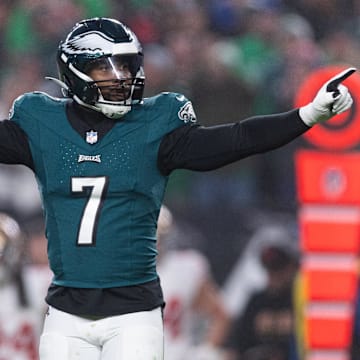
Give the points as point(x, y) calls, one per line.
point(232, 58)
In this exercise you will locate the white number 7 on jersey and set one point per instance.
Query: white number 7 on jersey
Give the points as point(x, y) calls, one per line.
point(97, 186)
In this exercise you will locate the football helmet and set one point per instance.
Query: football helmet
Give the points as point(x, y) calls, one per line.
point(12, 243)
point(165, 221)
point(102, 44)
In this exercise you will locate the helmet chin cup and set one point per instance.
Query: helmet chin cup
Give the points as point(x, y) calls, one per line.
point(109, 110)
point(113, 111)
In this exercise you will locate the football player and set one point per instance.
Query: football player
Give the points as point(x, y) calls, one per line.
point(102, 156)
point(22, 290)
point(187, 306)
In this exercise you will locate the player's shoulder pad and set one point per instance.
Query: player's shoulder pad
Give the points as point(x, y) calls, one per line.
point(31, 102)
point(179, 103)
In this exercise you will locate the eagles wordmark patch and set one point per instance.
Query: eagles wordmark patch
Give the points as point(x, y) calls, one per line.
point(92, 158)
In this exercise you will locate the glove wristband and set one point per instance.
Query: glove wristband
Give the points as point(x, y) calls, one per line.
point(311, 116)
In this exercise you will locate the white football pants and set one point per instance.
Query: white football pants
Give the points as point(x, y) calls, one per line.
point(134, 336)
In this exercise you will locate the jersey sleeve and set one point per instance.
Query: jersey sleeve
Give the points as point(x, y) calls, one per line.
point(202, 148)
point(22, 110)
point(14, 144)
point(181, 111)
point(16, 111)
point(33, 112)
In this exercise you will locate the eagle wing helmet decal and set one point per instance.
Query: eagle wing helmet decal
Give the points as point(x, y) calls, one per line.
point(91, 42)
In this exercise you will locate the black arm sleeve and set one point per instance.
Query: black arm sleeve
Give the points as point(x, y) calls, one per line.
point(206, 148)
point(14, 145)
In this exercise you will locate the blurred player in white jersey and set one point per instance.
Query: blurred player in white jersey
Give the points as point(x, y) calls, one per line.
point(195, 320)
point(23, 287)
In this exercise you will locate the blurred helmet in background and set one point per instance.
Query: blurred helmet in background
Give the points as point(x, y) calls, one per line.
point(12, 243)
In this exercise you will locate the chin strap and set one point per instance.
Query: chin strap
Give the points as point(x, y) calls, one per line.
point(108, 110)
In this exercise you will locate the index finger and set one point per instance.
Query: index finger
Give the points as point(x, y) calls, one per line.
point(339, 78)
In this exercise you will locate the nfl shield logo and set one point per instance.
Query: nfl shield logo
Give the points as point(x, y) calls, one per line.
point(91, 137)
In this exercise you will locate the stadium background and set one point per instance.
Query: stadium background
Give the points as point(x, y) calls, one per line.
point(232, 58)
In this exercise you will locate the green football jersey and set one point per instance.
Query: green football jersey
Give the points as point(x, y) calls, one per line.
point(101, 198)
